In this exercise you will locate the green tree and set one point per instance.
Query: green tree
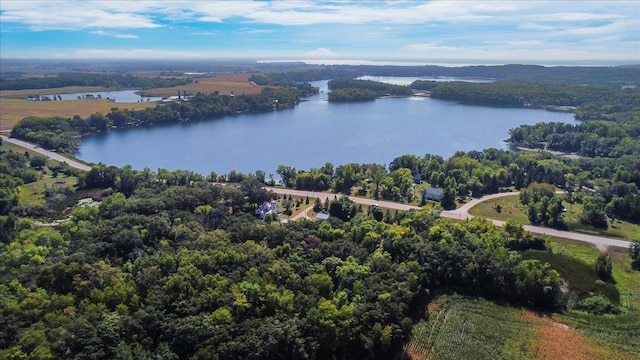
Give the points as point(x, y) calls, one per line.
point(38, 161)
point(448, 200)
point(593, 212)
point(634, 253)
point(376, 173)
point(287, 174)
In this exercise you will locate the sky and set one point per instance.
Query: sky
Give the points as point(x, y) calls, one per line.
point(533, 32)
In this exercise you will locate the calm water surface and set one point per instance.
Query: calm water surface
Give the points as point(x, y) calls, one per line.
point(119, 96)
point(313, 133)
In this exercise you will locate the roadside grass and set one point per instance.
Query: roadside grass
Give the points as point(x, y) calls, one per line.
point(511, 208)
point(580, 276)
point(608, 336)
point(239, 84)
point(627, 279)
point(618, 228)
point(14, 110)
point(585, 252)
point(368, 191)
point(6, 146)
point(295, 210)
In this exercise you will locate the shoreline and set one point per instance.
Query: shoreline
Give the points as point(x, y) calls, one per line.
point(554, 152)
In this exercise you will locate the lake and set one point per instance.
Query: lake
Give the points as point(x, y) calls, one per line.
point(313, 133)
point(119, 96)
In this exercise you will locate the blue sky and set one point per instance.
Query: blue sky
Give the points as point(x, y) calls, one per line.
point(542, 32)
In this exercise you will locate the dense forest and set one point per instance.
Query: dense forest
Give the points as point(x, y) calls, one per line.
point(169, 264)
point(107, 81)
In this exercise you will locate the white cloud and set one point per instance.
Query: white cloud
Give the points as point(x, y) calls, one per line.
point(41, 15)
point(320, 53)
point(454, 29)
point(116, 35)
point(127, 36)
point(523, 42)
point(428, 47)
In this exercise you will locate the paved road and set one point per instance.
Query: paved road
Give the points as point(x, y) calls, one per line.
point(49, 154)
point(463, 213)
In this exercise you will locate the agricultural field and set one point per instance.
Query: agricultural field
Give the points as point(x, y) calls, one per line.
point(458, 327)
point(239, 84)
point(461, 327)
point(14, 110)
point(511, 208)
point(14, 107)
point(22, 94)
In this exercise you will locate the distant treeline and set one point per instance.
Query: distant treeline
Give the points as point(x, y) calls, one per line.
point(617, 100)
point(61, 133)
point(346, 90)
point(614, 76)
point(283, 79)
point(108, 81)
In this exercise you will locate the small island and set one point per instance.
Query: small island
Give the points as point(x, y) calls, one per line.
point(352, 90)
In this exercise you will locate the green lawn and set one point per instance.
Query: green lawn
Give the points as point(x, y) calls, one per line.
point(511, 208)
point(620, 334)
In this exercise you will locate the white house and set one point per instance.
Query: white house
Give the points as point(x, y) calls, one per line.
point(433, 194)
point(268, 207)
point(322, 217)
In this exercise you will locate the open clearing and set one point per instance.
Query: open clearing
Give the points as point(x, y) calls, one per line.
point(511, 208)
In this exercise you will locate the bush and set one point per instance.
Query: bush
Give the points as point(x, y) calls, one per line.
point(603, 266)
point(597, 305)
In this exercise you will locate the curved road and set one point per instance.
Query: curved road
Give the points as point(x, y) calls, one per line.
point(49, 154)
point(462, 213)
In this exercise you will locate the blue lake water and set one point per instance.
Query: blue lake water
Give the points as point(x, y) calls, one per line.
point(119, 96)
point(313, 133)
